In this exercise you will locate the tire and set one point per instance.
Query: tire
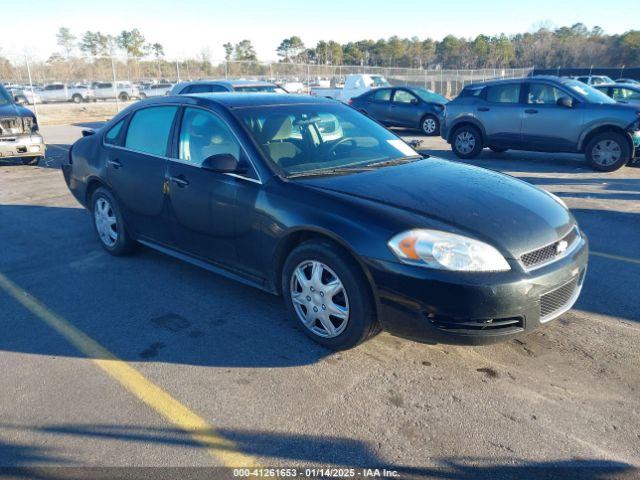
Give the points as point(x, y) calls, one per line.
point(124, 97)
point(105, 207)
point(353, 294)
point(76, 98)
point(466, 142)
point(608, 151)
point(498, 149)
point(143, 96)
point(30, 160)
point(430, 125)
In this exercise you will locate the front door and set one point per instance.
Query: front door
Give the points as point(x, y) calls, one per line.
point(404, 106)
point(547, 126)
point(136, 169)
point(204, 207)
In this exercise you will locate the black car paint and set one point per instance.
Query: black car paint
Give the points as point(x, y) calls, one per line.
point(395, 114)
point(266, 216)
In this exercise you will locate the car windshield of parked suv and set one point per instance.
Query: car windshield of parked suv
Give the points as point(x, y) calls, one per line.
point(379, 81)
point(587, 93)
point(322, 139)
point(429, 96)
point(5, 98)
point(260, 89)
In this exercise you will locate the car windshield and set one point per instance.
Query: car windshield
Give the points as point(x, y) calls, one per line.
point(378, 81)
point(322, 139)
point(587, 93)
point(429, 96)
point(260, 89)
point(5, 98)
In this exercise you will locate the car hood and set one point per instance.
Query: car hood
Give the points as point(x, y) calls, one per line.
point(508, 213)
point(13, 110)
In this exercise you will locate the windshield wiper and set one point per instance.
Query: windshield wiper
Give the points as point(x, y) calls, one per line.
point(396, 161)
point(332, 171)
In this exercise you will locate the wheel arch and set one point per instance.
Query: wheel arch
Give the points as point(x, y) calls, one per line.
point(466, 121)
point(586, 137)
point(93, 183)
point(297, 236)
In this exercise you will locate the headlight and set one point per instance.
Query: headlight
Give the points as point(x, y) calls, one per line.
point(29, 124)
point(446, 251)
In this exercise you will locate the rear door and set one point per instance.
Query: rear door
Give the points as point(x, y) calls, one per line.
point(547, 126)
point(404, 109)
point(500, 111)
point(136, 167)
point(377, 104)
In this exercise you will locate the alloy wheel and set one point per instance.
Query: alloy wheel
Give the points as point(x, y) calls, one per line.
point(606, 152)
point(465, 142)
point(319, 299)
point(106, 222)
point(429, 125)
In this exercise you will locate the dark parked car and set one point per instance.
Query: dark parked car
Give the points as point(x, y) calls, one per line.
point(622, 92)
point(627, 80)
point(403, 107)
point(213, 86)
point(19, 135)
point(545, 114)
point(308, 198)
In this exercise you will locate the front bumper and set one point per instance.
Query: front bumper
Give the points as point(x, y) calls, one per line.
point(472, 309)
point(22, 145)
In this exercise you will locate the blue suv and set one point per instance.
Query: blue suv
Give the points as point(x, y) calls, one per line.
point(543, 114)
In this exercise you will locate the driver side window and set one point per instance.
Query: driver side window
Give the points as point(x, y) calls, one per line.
point(402, 96)
point(203, 134)
point(543, 94)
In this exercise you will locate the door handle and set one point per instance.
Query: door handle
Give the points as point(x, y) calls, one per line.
point(531, 110)
point(114, 163)
point(483, 109)
point(180, 181)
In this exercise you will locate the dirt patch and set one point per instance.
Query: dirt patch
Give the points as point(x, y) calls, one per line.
point(72, 113)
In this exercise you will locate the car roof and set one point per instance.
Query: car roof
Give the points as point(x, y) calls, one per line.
point(238, 100)
point(230, 83)
point(619, 84)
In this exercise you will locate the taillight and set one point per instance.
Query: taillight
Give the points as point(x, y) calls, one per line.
point(350, 102)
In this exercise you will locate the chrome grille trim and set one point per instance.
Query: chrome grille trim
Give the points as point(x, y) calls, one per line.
point(543, 256)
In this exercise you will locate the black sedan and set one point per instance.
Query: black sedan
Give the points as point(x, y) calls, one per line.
point(403, 107)
point(309, 199)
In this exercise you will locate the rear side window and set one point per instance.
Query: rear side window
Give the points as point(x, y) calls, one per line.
point(149, 130)
point(112, 137)
point(506, 93)
point(204, 89)
point(383, 95)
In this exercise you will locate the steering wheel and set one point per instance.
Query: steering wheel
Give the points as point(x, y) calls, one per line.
point(333, 147)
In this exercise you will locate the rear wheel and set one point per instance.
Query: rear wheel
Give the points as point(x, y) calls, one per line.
point(325, 290)
point(607, 152)
point(30, 160)
point(124, 97)
point(109, 223)
point(467, 142)
point(430, 125)
point(77, 98)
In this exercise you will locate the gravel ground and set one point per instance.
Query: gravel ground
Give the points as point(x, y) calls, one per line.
point(561, 402)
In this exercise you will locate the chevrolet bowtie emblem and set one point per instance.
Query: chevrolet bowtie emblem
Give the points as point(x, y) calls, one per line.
point(561, 247)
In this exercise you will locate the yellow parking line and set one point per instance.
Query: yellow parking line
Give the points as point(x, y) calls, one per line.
point(634, 261)
point(171, 409)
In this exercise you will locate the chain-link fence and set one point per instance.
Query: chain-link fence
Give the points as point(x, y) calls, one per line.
point(25, 71)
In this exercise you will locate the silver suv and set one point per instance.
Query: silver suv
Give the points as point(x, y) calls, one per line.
point(543, 114)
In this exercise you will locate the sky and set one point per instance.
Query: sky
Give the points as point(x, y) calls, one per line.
point(187, 27)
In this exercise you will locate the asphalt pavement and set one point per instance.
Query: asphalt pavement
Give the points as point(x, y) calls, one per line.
point(147, 361)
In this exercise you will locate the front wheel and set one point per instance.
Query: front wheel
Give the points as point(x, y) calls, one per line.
point(30, 160)
point(109, 223)
point(607, 152)
point(430, 125)
point(124, 97)
point(325, 290)
point(467, 142)
point(143, 96)
point(76, 98)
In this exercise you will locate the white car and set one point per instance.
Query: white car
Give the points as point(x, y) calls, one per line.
point(124, 91)
point(156, 90)
point(60, 92)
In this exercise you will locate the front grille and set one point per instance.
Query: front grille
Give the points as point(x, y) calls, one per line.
point(548, 253)
point(551, 303)
point(10, 125)
point(478, 325)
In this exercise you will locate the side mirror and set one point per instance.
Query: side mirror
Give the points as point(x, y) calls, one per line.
point(565, 102)
point(415, 144)
point(415, 101)
point(224, 163)
point(88, 132)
